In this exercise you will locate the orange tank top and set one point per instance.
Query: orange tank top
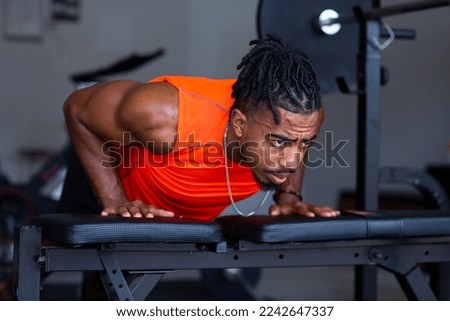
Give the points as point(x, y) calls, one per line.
point(190, 181)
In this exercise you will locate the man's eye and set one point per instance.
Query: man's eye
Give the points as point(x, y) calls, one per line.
point(277, 143)
point(307, 143)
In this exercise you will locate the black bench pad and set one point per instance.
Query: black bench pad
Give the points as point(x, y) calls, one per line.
point(409, 223)
point(292, 228)
point(91, 229)
point(348, 226)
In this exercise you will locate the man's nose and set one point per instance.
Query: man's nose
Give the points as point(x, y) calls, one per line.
point(290, 158)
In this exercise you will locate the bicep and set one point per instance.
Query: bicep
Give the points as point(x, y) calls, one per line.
point(127, 111)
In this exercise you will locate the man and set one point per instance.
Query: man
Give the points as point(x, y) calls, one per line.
point(189, 146)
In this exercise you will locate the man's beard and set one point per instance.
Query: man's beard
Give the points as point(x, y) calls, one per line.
point(263, 185)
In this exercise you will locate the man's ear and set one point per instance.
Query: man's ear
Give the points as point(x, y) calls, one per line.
point(321, 115)
point(238, 122)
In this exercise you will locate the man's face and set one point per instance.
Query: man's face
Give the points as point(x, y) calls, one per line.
point(275, 151)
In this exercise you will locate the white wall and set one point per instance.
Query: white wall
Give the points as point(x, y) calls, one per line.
point(34, 79)
point(220, 33)
point(209, 37)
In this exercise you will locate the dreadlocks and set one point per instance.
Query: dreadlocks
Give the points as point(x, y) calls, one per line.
point(274, 74)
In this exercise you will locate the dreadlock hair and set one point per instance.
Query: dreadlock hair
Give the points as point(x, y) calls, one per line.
point(274, 74)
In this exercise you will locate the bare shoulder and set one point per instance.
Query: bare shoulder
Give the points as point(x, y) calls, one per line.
point(150, 98)
point(150, 112)
point(147, 111)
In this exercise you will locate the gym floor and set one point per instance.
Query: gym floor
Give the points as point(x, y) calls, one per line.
point(286, 284)
point(274, 284)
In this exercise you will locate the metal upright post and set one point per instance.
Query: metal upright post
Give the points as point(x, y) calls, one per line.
point(27, 274)
point(369, 83)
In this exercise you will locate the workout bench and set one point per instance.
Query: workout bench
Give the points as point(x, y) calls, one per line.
point(132, 255)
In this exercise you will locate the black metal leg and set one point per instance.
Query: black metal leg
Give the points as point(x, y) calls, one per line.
point(116, 278)
point(143, 284)
point(135, 287)
point(443, 280)
point(27, 274)
point(366, 283)
point(415, 286)
point(439, 275)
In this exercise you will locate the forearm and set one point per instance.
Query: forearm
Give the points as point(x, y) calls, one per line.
point(291, 189)
point(290, 202)
point(103, 175)
point(90, 149)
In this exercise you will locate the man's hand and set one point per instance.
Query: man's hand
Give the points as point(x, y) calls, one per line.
point(302, 208)
point(136, 209)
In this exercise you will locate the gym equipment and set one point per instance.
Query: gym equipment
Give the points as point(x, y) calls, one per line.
point(399, 242)
point(20, 203)
point(342, 40)
point(126, 64)
point(132, 255)
point(192, 245)
point(328, 31)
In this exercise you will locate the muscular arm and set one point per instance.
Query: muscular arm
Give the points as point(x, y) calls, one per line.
point(111, 112)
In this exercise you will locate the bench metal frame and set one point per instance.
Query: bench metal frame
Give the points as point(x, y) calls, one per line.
point(131, 270)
